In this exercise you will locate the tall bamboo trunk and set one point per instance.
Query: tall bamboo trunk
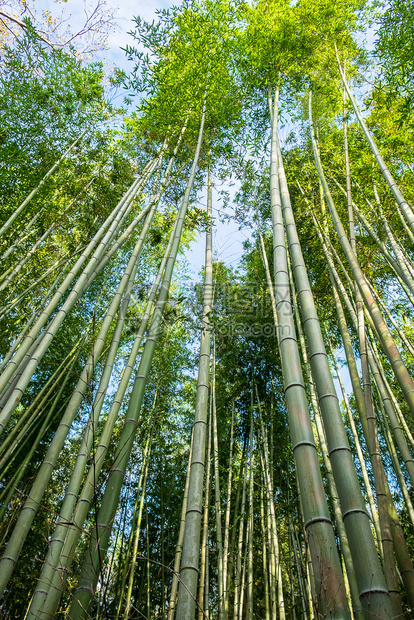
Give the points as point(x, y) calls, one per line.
point(264, 553)
point(249, 592)
point(187, 590)
point(217, 493)
point(238, 563)
point(328, 575)
point(203, 587)
point(227, 518)
point(132, 566)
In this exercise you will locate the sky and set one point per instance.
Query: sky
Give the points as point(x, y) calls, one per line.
point(227, 239)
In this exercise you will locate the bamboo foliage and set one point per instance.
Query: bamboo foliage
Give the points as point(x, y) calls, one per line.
point(169, 457)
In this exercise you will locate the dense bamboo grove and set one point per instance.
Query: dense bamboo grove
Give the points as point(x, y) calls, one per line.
point(240, 448)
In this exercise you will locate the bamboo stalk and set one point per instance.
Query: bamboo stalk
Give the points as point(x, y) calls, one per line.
point(99, 542)
point(331, 594)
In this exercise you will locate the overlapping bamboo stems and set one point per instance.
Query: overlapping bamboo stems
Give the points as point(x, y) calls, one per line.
point(96, 248)
point(18, 437)
point(302, 587)
point(7, 279)
point(36, 348)
point(89, 435)
point(75, 524)
point(177, 557)
point(351, 309)
point(238, 592)
point(133, 560)
point(392, 184)
point(118, 545)
point(217, 492)
point(368, 488)
point(90, 567)
point(249, 540)
point(275, 575)
point(388, 344)
point(135, 526)
point(22, 238)
point(38, 309)
point(385, 499)
point(356, 520)
point(29, 510)
point(124, 290)
point(378, 379)
point(187, 590)
point(34, 443)
point(405, 263)
point(400, 416)
point(400, 333)
point(47, 335)
point(395, 415)
point(39, 186)
point(327, 569)
point(203, 585)
point(26, 420)
point(232, 547)
point(402, 275)
point(25, 259)
point(310, 577)
point(406, 227)
point(378, 375)
point(227, 518)
point(394, 460)
point(333, 492)
point(10, 304)
point(396, 263)
point(360, 327)
point(27, 230)
point(264, 552)
point(126, 234)
point(276, 584)
point(91, 271)
point(390, 529)
point(388, 515)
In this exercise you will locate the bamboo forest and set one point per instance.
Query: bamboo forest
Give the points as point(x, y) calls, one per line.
point(227, 442)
